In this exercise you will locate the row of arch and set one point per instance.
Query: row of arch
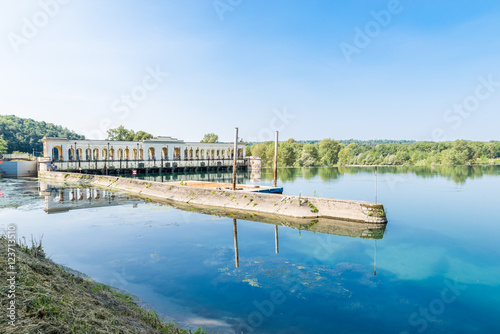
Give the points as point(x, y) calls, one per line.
point(138, 154)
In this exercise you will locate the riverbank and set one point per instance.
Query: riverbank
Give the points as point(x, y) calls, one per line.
point(279, 205)
point(44, 297)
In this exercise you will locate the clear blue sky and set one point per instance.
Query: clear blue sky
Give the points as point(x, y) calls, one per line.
point(413, 75)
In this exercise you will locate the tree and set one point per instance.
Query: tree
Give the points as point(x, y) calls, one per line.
point(308, 157)
point(210, 138)
point(122, 134)
point(329, 151)
point(3, 145)
point(287, 154)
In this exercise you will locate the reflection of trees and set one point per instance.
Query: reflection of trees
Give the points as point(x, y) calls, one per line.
point(458, 174)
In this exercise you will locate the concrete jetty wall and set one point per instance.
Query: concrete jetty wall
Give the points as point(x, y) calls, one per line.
point(282, 205)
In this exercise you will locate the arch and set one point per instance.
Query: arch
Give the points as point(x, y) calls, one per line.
point(96, 154)
point(164, 153)
point(223, 154)
point(104, 154)
point(202, 154)
point(186, 154)
point(78, 154)
point(57, 153)
point(127, 154)
point(120, 154)
point(177, 153)
point(240, 153)
point(191, 154)
point(71, 154)
point(112, 154)
point(213, 154)
point(197, 153)
point(88, 154)
point(141, 154)
point(135, 154)
point(151, 153)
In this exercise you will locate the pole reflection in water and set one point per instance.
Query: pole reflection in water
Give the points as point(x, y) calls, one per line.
point(375, 260)
point(276, 238)
point(236, 252)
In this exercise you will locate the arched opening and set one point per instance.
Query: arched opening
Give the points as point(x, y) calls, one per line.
point(202, 154)
point(240, 153)
point(141, 154)
point(88, 154)
point(96, 154)
point(134, 152)
point(111, 154)
point(213, 154)
point(127, 154)
point(164, 153)
point(120, 154)
point(197, 154)
point(104, 154)
point(57, 153)
point(71, 154)
point(177, 153)
point(151, 154)
point(218, 154)
point(191, 154)
point(223, 154)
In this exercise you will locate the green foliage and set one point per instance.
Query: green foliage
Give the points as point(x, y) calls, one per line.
point(122, 134)
point(210, 138)
point(329, 152)
point(24, 134)
point(3, 145)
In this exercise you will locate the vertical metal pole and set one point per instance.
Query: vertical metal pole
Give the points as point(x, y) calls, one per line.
point(234, 156)
point(375, 261)
point(276, 239)
point(375, 184)
point(276, 159)
point(236, 251)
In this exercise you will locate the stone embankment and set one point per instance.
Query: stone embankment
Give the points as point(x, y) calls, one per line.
point(274, 204)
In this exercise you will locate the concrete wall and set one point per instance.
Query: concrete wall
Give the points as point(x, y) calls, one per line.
point(18, 169)
point(278, 205)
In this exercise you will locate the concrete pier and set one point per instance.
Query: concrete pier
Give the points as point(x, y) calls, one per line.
point(242, 201)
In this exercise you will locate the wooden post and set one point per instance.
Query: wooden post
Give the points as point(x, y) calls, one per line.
point(236, 252)
point(375, 184)
point(276, 159)
point(234, 156)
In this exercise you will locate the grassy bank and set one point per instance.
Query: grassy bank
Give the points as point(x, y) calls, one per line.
point(50, 299)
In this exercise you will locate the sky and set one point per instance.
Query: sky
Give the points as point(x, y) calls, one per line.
point(408, 69)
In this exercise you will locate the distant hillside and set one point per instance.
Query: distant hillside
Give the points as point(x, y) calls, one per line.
point(24, 134)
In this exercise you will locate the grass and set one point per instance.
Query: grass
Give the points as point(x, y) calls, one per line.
point(314, 209)
point(50, 299)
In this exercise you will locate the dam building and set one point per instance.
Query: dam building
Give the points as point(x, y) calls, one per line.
point(159, 154)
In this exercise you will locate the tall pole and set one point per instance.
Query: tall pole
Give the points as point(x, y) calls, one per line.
point(375, 184)
point(234, 156)
point(276, 159)
point(276, 239)
point(236, 251)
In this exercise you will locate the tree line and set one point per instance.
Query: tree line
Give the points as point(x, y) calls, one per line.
point(329, 152)
point(24, 134)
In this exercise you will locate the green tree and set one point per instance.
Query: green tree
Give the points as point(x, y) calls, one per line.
point(3, 145)
point(120, 133)
point(210, 138)
point(287, 154)
point(329, 151)
point(308, 157)
point(142, 135)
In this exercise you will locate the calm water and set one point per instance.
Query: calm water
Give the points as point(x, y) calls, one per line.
point(437, 264)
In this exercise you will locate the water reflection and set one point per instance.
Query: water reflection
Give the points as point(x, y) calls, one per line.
point(59, 198)
point(458, 174)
